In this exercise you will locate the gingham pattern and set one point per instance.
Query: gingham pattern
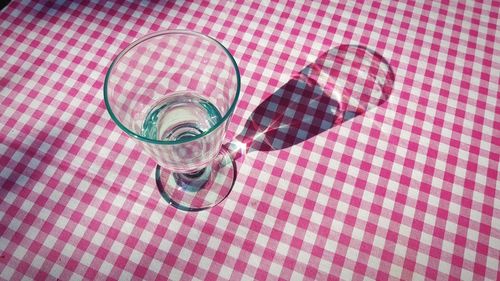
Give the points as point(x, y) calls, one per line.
point(341, 84)
point(405, 191)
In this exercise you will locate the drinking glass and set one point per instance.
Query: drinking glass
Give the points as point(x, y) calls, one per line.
point(174, 92)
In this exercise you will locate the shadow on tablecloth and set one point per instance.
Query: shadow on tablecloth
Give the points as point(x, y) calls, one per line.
point(341, 84)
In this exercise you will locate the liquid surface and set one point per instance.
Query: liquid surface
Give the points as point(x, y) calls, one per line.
point(180, 115)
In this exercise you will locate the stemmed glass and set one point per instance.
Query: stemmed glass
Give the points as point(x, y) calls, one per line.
point(174, 92)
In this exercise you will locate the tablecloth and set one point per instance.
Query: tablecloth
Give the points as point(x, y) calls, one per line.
point(406, 190)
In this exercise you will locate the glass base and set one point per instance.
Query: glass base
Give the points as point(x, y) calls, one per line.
point(199, 190)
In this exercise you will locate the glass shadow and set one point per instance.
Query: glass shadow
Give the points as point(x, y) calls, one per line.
point(341, 84)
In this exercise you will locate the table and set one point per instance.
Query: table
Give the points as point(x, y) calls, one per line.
point(405, 191)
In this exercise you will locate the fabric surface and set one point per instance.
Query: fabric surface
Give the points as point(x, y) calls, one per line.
point(406, 190)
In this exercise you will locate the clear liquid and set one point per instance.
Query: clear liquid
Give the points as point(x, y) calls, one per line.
point(180, 115)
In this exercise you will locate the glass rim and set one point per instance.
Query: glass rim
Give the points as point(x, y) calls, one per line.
point(135, 43)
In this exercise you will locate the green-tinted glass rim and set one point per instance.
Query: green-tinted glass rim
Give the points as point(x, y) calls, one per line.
point(226, 116)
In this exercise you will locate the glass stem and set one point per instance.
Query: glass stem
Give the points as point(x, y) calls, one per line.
point(195, 174)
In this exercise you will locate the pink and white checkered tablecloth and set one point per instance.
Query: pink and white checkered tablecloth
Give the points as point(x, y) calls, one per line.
point(407, 190)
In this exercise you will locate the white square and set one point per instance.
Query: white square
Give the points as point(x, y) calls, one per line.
point(430, 219)
point(472, 235)
point(214, 242)
point(79, 230)
point(204, 263)
point(50, 241)
point(108, 219)
point(494, 242)
point(426, 239)
point(68, 250)
point(451, 227)
point(308, 174)
point(373, 262)
point(296, 275)
point(310, 237)
point(296, 211)
point(466, 274)
point(301, 190)
point(447, 246)
point(97, 239)
point(275, 270)
point(276, 202)
point(377, 160)
point(475, 215)
point(22, 180)
point(137, 210)
point(136, 256)
point(72, 203)
point(400, 151)
point(328, 180)
point(156, 265)
point(363, 214)
point(446, 133)
point(7, 272)
point(282, 248)
point(357, 234)
point(323, 199)
point(396, 271)
point(16, 157)
point(37, 261)
point(175, 274)
point(398, 168)
point(408, 210)
point(422, 259)
point(342, 207)
point(262, 240)
point(87, 259)
point(470, 109)
point(460, 171)
point(418, 277)
point(404, 230)
point(379, 242)
point(490, 100)
point(417, 175)
point(234, 251)
point(346, 274)
point(433, 200)
point(125, 275)
point(373, 179)
point(66, 178)
point(254, 260)
point(469, 255)
point(127, 227)
point(264, 176)
point(400, 250)
point(56, 271)
point(492, 263)
point(78, 161)
point(100, 193)
point(388, 203)
point(481, 179)
point(324, 266)
point(61, 222)
point(105, 268)
point(338, 147)
point(11, 196)
point(225, 272)
point(481, 160)
point(359, 155)
point(457, 190)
